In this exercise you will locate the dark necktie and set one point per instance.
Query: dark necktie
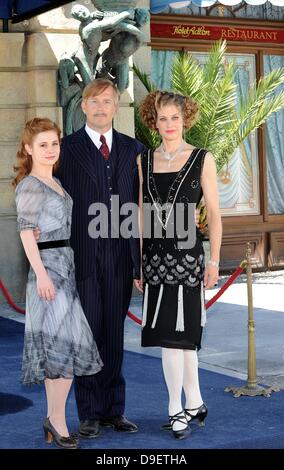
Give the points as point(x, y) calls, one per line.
point(104, 148)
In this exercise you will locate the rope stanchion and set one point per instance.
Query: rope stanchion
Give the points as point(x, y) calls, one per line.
point(210, 302)
point(9, 299)
point(251, 389)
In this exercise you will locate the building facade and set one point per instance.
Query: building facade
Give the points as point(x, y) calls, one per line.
point(251, 188)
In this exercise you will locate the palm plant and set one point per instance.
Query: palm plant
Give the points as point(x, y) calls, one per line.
point(221, 127)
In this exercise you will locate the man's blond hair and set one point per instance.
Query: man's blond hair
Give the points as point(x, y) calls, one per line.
point(97, 86)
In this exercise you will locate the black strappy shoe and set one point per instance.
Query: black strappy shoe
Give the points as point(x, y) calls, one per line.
point(180, 417)
point(199, 416)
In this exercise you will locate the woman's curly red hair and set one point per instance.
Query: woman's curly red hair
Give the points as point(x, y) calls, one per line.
point(156, 99)
point(32, 128)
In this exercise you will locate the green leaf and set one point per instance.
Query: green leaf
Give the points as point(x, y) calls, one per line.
point(187, 75)
point(144, 79)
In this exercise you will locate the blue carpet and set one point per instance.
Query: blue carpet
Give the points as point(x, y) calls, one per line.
point(232, 423)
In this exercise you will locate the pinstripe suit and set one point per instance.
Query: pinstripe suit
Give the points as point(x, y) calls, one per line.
point(104, 267)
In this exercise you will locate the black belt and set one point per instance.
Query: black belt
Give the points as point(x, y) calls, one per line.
point(53, 244)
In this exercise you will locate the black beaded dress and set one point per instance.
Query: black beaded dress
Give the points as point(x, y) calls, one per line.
point(173, 301)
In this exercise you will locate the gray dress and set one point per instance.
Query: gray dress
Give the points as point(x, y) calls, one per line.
point(58, 341)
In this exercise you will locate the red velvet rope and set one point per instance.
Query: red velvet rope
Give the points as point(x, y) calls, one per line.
point(9, 299)
point(133, 317)
point(227, 284)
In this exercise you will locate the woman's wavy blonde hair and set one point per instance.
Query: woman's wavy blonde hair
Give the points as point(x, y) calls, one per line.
point(157, 99)
point(32, 128)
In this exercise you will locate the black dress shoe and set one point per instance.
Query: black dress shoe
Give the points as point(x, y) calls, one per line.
point(180, 418)
point(119, 423)
point(202, 412)
point(89, 429)
point(199, 417)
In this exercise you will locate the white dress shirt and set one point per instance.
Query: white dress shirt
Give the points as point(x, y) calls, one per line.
point(95, 137)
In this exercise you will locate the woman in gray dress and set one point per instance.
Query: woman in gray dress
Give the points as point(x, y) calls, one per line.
point(58, 342)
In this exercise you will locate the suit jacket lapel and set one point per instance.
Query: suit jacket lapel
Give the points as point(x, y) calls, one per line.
point(81, 149)
point(122, 153)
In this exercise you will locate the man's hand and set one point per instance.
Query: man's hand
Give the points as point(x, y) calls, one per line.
point(139, 284)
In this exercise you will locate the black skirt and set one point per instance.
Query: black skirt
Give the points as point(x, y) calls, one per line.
point(162, 331)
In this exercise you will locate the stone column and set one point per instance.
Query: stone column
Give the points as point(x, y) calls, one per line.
point(13, 102)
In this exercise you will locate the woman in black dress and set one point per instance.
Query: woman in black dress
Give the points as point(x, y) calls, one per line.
point(173, 179)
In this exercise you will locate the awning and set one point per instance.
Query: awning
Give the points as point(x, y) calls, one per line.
point(157, 6)
point(20, 10)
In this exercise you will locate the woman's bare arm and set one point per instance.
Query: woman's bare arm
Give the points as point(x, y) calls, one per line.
point(211, 197)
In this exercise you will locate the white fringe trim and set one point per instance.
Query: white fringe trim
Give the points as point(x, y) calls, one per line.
point(145, 306)
point(180, 312)
point(203, 309)
point(158, 306)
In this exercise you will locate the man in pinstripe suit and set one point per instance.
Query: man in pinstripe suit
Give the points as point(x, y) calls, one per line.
point(97, 162)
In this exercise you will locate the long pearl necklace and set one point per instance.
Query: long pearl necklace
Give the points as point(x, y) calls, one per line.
point(170, 156)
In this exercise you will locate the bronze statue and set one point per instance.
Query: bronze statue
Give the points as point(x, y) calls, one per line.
point(91, 33)
point(126, 39)
point(123, 29)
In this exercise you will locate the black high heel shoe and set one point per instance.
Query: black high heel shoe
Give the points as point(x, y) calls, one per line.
point(199, 416)
point(72, 434)
point(181, 433)
point(51, 435)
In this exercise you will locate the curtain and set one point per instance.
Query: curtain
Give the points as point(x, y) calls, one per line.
point(242, 192)
point(161, 68)
point(275, 147)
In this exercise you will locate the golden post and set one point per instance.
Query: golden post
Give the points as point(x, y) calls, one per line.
point(251, 389)
point(251, 383)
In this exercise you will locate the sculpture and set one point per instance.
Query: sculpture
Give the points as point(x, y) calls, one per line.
point(126, 39)
point(123, 29)
point(91, 33)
